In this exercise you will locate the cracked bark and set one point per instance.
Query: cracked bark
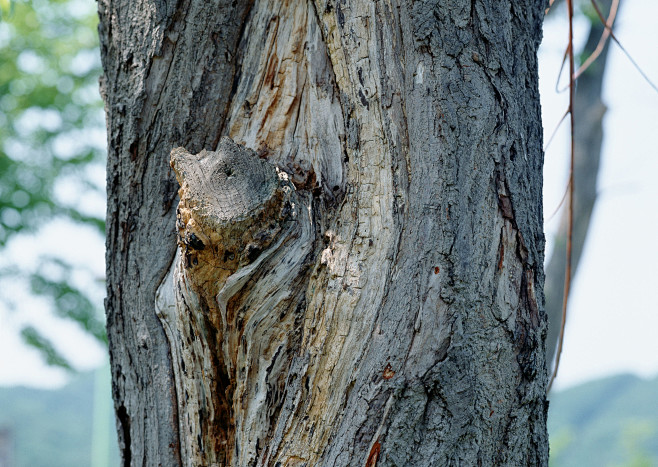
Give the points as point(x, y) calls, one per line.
point(364, 283)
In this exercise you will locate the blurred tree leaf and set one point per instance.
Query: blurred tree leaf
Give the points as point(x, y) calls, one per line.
point(6, 7)
point(52, 144)
point(70, 302)
point(50, 111)
point(43, 345)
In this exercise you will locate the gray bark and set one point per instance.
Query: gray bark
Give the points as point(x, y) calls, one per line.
point(373, 293)
point(163, 78)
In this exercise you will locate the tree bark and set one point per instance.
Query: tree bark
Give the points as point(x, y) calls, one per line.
point(353, 276)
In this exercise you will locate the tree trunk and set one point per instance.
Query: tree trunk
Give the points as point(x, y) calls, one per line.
point(353, 274)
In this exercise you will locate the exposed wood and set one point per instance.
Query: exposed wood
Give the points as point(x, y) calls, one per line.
point(163, 76)
point(232, 302)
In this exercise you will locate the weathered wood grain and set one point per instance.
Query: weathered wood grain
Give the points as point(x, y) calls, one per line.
point(232, 318)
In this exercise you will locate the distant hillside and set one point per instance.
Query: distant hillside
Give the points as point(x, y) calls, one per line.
point(53, 428)
point(609, 422)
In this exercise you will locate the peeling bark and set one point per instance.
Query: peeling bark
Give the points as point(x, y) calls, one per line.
point(359, 271)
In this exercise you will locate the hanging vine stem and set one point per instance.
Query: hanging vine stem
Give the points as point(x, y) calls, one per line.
point(607, 32)
point(567, 277)
point(574, 75)
point(604, 37)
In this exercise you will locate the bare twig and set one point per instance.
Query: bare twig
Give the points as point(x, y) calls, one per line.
point(557, 127)
point(550, 4)
point(564, 197)
point(608, 28)
point(604, 37)
point(594, 55)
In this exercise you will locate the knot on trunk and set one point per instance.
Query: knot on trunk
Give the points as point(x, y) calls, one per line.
point(232, 301)
point(225, 186)
point(232, 206)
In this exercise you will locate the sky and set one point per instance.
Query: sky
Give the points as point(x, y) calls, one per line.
point(613, 314)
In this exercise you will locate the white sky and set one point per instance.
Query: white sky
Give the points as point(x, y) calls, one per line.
point(613, 315)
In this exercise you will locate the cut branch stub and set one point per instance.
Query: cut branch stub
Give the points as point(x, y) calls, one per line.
point(231, 207)
point(224, 186)
point(230, 313)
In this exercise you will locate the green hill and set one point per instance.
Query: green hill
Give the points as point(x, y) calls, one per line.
point(608, 422)
point(52, 428)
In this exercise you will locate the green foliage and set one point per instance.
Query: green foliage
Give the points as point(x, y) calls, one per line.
point(610, 422)
point(70, 301)
point(49, 102)
point(51, 142)
point(36, 340)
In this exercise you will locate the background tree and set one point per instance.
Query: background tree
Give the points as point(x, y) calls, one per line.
point(589, 111)
point(389, 308)
point(50, 116)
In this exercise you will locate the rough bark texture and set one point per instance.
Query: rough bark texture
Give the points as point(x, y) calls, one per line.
point(370, 295)
point(167, 82)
